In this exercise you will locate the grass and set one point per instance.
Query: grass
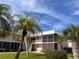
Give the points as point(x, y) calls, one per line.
point(70, 56)
point(23, 55)
point(8, 55)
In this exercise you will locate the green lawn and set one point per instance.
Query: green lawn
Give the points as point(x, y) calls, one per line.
point(70, 56)
point(8, 55)
point(11, 55)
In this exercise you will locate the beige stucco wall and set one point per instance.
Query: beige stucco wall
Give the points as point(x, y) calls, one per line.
point(50, 47)
point(46, 46)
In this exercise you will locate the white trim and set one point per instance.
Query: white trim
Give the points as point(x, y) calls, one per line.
point(8, 40)
point(44, 33)
point(44, 42)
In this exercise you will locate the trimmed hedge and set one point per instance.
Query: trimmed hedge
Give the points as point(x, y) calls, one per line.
point(56, 55)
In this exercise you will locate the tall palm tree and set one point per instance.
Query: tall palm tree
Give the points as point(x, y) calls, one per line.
point(5, 19)
point(27, 25)
point(72, 33)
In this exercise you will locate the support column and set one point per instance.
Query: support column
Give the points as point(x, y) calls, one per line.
point(2, 45)
point(10, 46)
point(14, 46)
point(53, 42)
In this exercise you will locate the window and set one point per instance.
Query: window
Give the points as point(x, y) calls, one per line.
point(50, 38)
point(44, 38)
point(6, 45)
point(16, 46)
point(12, 45)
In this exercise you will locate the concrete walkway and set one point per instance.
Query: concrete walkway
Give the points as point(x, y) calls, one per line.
point(37, 52)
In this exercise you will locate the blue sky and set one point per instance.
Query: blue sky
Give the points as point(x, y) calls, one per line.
point(53, 14)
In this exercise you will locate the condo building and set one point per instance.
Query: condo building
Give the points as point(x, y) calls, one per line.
point(40, 42)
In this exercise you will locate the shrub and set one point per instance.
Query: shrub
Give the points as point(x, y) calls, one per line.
point(56, 55)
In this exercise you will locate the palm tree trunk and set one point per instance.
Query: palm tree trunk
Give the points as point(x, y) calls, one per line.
point(26, 45)
point(60, 42)
point(20, 47)
point(75, 50)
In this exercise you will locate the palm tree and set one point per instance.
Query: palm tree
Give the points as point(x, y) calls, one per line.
point(5, 19)
point(27, 25)
point(72, 33)
point(60, 39)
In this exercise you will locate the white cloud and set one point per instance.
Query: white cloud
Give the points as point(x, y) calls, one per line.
point(43, 9)
point(29, 3)
point(73, 6)
point(46, 23)
point(59, 26)
point(76, 12)
point(75, 3)
point(36, 6)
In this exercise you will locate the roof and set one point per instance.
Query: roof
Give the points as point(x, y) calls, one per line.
point(45, 33)
point(49, 32)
